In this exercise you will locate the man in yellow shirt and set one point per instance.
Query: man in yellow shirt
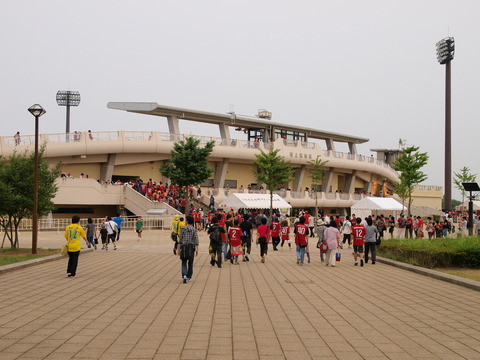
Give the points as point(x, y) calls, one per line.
point(177, 224)
point(73, 233)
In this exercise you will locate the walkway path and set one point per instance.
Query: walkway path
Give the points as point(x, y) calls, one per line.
point(132, 304)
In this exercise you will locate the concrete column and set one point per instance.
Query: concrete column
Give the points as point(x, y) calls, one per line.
point(352, 147)
point(330, 144)
point(220, 173)
point(106, 170)
point(327, 180)
point(298, 179)
point(173, 126)
point(224, 131)
point(350, 183)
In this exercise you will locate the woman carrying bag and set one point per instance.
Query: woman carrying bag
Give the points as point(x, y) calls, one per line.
point(332, 236)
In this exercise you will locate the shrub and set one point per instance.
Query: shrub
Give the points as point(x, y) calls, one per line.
point(445, 252)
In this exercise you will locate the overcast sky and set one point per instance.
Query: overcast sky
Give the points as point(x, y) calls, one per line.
point(365, 68)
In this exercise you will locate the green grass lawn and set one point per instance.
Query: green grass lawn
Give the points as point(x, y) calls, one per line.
point(11, 256)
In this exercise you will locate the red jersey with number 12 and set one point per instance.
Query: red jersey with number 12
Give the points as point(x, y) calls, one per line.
point(358, 233)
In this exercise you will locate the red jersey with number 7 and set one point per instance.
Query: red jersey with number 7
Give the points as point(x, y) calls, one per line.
point(358, 233)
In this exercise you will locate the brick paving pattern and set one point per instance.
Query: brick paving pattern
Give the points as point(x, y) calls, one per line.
point(132, 304)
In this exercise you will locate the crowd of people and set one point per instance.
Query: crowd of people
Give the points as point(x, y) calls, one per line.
point(231, 235)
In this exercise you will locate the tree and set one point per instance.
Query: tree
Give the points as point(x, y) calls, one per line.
point(463, 176)
point(188, 163)
point(409, 165)
point(16, 184)
point(402, 191)
point(272, 170)
point(317, 172)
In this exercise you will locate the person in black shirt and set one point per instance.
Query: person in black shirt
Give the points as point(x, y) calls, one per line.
point(247, 231)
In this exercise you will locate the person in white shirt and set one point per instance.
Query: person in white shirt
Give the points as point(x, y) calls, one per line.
point(347, 231)
point(111, 227)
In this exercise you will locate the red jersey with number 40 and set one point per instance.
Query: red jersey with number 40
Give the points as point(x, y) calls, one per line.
point(285, 232)
point(301, 235)
point(358, 233)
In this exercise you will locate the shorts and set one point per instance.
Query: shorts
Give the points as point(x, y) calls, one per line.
point(358, 249)
point(138, 231)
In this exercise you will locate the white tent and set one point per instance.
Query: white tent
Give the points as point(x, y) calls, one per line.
point(254, 201)
point(376, 206)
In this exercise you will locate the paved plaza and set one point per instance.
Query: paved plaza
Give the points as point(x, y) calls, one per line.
point(132, 304)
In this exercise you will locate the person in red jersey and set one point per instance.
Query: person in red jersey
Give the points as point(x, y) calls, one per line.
point(285, 230)
point(263, 234)
point(358, 233)
point(234, 234)
point(301, 234)
point(275, 227)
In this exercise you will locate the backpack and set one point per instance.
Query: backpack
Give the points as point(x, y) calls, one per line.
point(215, 236)
point(187, 251)
point(402, 222)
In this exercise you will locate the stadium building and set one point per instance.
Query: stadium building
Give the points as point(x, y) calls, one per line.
point(93, 160)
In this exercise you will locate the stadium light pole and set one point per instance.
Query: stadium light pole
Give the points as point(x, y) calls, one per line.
point(37, 111)
point(445, 53)
point(68, 98)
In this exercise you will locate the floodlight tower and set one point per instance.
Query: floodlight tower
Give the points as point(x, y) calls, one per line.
point(445, 53)
point(68, 98)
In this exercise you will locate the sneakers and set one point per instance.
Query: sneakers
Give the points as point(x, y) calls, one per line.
point(373, 262)
point(356, 263)
point(298, 261)
point(246, 258)
point(361, 262)
point(184, 279)
point(212, 262)
point(71, 276)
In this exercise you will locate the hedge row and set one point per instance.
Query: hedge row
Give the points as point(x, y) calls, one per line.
point(460, 252)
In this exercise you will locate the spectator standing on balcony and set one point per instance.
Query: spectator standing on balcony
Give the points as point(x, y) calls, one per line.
point(119, 220)
point(16, 137)
point(90, 136)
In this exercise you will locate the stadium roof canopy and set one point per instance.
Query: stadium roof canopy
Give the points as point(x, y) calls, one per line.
point(230, 119)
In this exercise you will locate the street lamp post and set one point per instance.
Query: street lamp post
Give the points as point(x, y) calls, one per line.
point(68, 98)
point(445, 53)
point(37, 111)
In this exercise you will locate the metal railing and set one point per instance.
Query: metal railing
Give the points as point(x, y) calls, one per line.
point(151, 222)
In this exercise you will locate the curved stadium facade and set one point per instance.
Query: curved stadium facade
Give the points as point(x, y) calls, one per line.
point(131, 155)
